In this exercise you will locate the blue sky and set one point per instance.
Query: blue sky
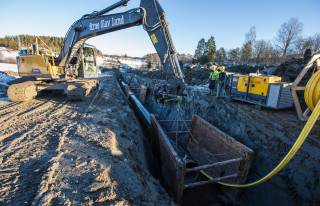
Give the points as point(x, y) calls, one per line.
point(189, 21)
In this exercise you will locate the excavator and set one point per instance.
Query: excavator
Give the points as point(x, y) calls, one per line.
point(67, 71)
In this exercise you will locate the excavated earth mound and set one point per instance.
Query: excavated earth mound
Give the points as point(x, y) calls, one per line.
point(290, 69)
point(57, 152)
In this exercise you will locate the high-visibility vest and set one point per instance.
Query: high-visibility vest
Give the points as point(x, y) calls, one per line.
point(214, 75)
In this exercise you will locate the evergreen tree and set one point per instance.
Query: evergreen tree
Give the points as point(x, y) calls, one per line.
point(200, 48)
point(211, 48)
point(234, 54)
point(246, 52)
point(26, 40)
point(221, 55)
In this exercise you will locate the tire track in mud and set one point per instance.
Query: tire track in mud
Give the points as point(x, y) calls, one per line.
point(17, 114)
point(48, 177)
point(33, 170)
point(16, 126)
point(8, 105)
point(21, 106)
point(17, 137)
point(32, 152)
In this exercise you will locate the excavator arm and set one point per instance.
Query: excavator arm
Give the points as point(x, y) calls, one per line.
point(150, 15)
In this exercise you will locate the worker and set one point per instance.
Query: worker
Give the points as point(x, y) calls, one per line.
point(213, 79)
point(222, 73)
point(221, 78)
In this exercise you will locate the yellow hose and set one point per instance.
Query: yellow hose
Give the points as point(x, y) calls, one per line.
point(312, 98)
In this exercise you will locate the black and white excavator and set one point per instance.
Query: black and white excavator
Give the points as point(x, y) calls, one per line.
point(66, 72)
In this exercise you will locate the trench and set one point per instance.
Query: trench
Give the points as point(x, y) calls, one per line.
point(203, 195)
point(270, 133)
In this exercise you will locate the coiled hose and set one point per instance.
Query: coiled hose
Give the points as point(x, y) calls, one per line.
point(312, 98)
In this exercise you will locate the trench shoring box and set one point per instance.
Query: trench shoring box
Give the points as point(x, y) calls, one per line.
point(217, 155)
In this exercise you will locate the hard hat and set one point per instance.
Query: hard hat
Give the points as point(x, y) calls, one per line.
point(214, 67)
point(222, 68)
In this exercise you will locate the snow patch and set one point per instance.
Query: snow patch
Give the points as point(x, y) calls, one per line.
point(10, 67)
point(5, 79)
point(9, 54)
point(134, 63)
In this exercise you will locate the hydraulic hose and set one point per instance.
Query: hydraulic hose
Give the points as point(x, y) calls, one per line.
point(312, 98)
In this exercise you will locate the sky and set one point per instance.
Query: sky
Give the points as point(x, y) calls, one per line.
point(189, 21)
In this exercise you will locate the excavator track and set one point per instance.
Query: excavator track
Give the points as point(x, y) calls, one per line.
point(23, 91)
point(79, 90)
point(76, 90)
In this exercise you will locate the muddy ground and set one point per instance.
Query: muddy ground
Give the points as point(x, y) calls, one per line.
point(54, 152)
point(270, 133)
point(57, 152)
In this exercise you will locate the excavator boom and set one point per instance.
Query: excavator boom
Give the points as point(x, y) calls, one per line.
point(150, 15)
point(71, 62)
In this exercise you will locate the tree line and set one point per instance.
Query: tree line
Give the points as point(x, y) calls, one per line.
point(288, 42)
point(23, 41)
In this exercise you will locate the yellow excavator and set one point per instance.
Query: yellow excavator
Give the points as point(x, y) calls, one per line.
point(77, 61)
point(40, 67)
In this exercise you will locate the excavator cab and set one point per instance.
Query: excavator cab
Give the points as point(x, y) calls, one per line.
point(84, 62)
point(89, 67)
point(38, 64)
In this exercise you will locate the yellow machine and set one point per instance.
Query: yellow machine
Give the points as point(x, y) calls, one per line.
point(37, 65)
point(41, 67)
point(267, 91)
point(259, 85)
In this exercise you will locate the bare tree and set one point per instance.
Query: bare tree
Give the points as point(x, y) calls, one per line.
point(316, 42)
point(251, 35)
point(259, 47)
point(288, 33)
point(302, 44)
point(246, 50)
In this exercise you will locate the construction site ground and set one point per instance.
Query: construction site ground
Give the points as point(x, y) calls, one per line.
point(57, 152)
point(53, 151)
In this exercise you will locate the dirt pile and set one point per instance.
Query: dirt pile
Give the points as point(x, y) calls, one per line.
point(54, 152)
point(290, 69)
point(245, 69)
point(193, 75)
point(199, 74)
